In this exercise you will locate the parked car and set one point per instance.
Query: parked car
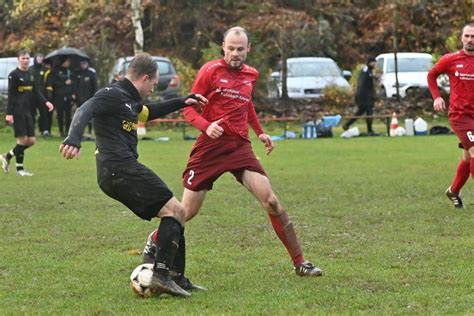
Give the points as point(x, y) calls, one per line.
point(412, 73)
point(7, 65)
point(309, 76)
point(168, 83)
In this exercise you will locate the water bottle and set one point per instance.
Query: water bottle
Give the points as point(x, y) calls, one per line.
point(410, 131)
point(309, 130)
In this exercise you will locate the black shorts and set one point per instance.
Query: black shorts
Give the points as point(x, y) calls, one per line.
point(23, 125)
point(137, 187)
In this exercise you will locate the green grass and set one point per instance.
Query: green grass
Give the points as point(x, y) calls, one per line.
point(370, 211)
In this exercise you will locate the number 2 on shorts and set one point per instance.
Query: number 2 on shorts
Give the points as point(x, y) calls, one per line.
point(191, 176)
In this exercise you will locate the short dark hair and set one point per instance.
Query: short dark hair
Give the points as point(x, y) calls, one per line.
point(142, 64)
point(469, 24)
point(237, 30)
point(23, 52)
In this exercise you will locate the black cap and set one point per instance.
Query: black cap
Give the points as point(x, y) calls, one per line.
point(370, 59)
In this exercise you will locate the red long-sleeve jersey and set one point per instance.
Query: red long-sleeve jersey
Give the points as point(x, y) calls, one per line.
point(460, 69)
point(229, 92)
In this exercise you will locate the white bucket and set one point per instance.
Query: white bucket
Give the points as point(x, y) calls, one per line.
point(421, 127)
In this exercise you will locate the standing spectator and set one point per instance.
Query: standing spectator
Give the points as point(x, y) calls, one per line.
point(46, 119)
point(459, 66)
point(365, 95)
point(224, 145)
point(63, 94)
point(37, 69)
point(21, 88)
point(86, 85)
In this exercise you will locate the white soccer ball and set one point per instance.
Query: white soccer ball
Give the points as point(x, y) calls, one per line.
point(400, 131)
point(140, 280)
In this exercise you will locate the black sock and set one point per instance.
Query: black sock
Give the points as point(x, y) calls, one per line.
point(167, 244)
point(179, 264)
point(19, 153)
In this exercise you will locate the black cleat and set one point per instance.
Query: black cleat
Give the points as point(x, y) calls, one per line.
point(164, 284)
point(186, 284)
point(455, 198)
point(306, 268)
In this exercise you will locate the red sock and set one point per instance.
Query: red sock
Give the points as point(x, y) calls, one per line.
point(284, 230)
point(462, 174)
point(472, 167)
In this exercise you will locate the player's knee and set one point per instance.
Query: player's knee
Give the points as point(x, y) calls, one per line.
point(271, 204)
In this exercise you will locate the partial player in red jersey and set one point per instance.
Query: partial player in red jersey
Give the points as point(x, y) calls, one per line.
point(460, 68)
point(224, 145)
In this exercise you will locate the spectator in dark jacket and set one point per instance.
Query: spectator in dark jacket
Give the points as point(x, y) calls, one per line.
point(85, 85)
point(365, 95)
point(63, 92)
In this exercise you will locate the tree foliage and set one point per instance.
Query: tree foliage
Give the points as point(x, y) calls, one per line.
point(191, 31)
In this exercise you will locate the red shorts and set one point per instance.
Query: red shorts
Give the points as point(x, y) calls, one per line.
point(464, 128)
point(210, 158)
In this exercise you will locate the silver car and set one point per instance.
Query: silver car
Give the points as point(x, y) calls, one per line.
point(168, 84)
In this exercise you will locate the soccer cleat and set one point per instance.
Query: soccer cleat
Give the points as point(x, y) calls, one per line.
point(23, 173)
point(5, 163)
point(306, 268)
point(186, 284)
point(150, 249)
point(164, 284)
point(455, 198)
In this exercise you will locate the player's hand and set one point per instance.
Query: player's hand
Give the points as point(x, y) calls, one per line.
point(68, 82)
point(214, 131)
point(50, 106)
point(439, 104)
point(9, 119)
point(69, 151)
point(199, 99)
point(267, 141)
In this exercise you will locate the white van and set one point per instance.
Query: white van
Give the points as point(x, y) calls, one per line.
point(308, 76)
point(413, 69)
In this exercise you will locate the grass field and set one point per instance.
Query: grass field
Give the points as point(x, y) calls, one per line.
point(370, 211)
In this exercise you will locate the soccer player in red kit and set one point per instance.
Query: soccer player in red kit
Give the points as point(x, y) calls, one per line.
point(460, 68)
point(224, 145)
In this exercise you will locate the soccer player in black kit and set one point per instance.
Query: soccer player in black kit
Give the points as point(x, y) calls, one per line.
point(115, 111)
point(21, 90)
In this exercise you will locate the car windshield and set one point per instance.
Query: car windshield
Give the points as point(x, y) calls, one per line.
point(314, 69)
point(163, 66)
point(410, 64)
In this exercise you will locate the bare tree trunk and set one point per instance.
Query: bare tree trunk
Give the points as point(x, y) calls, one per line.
point(137, 25)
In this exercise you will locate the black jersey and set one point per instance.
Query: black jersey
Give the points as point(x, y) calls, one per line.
point(114, 111)
point(21, 88)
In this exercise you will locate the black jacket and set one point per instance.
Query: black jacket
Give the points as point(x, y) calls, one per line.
point(85, 85)
point(59, 77)
point(365, 87)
